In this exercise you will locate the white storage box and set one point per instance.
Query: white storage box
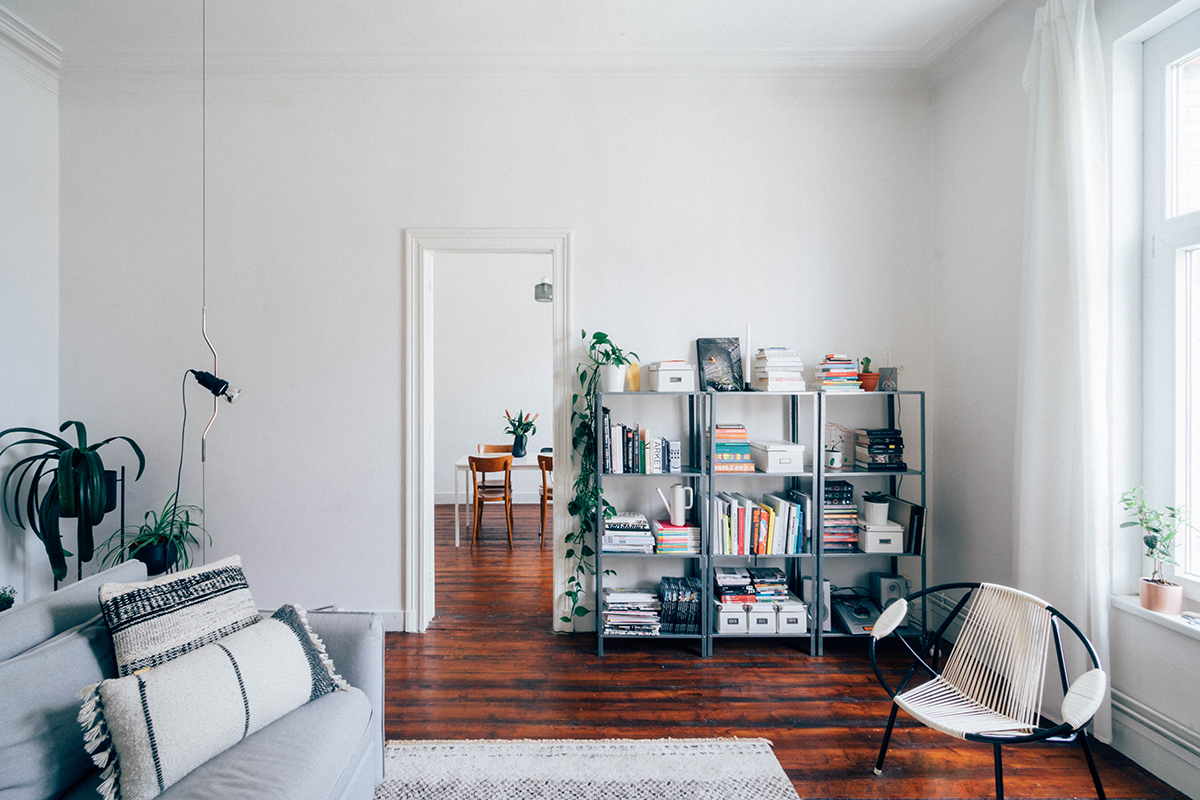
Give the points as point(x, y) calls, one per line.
point(881, 540)
point(730, 618)
point(672, 376)
point(777, 456)
point(762, 619)
point(793, 616)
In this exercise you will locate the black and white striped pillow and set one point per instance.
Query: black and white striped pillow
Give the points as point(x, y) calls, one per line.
point(149, 730)
point(161, 619)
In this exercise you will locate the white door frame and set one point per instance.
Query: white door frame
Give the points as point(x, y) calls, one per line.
point(420, 248)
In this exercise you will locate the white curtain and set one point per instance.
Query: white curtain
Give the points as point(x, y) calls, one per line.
point(1062, 488)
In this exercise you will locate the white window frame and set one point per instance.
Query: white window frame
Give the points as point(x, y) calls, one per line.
point(1164, 281)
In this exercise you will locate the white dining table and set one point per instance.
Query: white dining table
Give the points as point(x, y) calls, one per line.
point(527, 461)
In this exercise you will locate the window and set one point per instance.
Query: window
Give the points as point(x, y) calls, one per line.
point(1171, 285)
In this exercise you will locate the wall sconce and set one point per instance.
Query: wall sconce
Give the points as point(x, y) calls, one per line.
point(544, 291)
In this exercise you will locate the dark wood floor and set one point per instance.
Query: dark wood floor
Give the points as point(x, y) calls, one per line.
point(490, 667)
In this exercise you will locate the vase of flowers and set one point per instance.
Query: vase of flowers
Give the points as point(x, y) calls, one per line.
point(1158, 535)
point(521, 427)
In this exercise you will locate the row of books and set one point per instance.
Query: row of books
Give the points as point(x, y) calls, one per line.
point(777, 369)
point(630, 448)
point(838, 373)
point(749, 584)
point(879, 449)
point(631, 532)
point(839, 516)
point(775, 525)
point(732, 449)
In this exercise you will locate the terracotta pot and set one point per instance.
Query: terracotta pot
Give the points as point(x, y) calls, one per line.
point(1165, 598)
point(869, 380)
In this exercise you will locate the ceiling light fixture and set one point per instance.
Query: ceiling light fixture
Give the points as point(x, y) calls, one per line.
point(544, 291)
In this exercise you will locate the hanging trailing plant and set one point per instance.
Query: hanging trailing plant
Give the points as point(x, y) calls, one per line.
point(586, 495)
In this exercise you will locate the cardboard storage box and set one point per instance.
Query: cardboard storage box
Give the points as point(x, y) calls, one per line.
point(777, 456)
point(672, 376)
point(877, 540)
point(793, 616)
point(730, 618)
point(762, 619)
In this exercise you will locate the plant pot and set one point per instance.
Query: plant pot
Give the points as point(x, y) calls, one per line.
point(158, 558)
point(612, 377)
point(875, 513)
point(1165, 598)
point(6, 603)
point(519, 442)
point(110, 489)
point(869, 380)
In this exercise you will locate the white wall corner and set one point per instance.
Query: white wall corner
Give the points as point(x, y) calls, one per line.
point(28, 53)
point(1009, 19)
point(1157, 743)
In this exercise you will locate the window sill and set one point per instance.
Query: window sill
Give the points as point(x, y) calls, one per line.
point(1130, 604)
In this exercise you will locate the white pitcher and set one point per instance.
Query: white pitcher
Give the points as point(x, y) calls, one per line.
point(681, 500)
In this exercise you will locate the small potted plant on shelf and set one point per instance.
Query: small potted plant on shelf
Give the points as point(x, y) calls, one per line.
point(521, 427)
point(611, 361)
point(868, 379)
point(875, 508)
point(8, 596)
point(1158, 535)
point(162, 539)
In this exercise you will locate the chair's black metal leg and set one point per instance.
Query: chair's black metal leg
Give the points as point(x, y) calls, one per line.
point(1087, 751)
point(999, 774)
point(887, 737)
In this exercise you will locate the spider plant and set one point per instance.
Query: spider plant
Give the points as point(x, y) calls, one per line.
point(64, 481)
point(170, 528)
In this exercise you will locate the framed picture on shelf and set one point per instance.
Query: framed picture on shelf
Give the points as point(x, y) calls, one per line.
point(719, 364)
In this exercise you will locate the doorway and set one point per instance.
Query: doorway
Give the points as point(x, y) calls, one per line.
point(422, 249)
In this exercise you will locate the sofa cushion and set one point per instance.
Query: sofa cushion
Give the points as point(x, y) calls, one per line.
point(41, 745)
point(29, 624)
point(155, 621)
point(150, 729)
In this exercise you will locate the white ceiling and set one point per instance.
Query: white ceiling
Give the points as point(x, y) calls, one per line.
point(888, 31)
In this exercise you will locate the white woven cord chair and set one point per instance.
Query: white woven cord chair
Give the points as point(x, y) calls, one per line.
point(991, 688)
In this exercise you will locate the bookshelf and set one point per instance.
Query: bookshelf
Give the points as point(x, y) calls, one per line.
point(804, 414)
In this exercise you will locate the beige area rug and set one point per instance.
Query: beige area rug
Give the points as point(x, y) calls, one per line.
point(583, 769)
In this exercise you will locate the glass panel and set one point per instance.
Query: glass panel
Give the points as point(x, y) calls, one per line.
point(1186, 135)
point(1187, 550)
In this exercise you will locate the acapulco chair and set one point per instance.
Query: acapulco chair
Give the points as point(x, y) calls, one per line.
point(991, 688)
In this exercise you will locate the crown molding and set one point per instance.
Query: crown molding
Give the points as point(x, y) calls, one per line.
point(28, 53)
point(1006, 20)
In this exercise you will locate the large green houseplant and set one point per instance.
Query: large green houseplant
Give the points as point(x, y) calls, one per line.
point(586, 495)
point(63, 481)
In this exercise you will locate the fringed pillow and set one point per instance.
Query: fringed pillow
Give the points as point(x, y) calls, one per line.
point(148, 730)
point(161, 619)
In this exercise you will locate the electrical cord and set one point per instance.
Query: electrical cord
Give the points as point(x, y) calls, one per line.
point(182, 442)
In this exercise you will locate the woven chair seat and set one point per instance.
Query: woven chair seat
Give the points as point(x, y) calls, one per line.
point(944, 708)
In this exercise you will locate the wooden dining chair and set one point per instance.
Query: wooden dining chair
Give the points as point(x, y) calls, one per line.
point(493, 492)
point(547, 490)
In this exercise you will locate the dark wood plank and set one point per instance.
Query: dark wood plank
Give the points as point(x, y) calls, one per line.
point(490, 667)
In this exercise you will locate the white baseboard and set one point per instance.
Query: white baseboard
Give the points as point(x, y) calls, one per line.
point(1157, 743)
point(521, 498)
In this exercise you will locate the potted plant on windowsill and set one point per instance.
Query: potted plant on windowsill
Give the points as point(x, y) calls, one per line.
point(162, 539)
point(868, 379)
point(521, 428)
point(1158, 535)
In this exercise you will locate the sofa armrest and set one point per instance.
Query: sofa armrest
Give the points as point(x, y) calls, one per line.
point(354, 641)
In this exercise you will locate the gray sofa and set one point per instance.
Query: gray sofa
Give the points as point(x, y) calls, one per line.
point(50, 648)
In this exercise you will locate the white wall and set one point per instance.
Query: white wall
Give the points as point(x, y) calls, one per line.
point(28, 270)
point(708, 201)
point(493, 350)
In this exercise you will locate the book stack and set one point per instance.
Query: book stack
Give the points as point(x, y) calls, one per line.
point(732, 449)
point(778, 369)
point(627, 532)
point(680, 605)
point(732, 585)
point(631, 448)
point(681, 539)
point(771, 526)
point(879, 449)
point(840, 516)
point(770, 584)
point(629, 612)
point(839, 373)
